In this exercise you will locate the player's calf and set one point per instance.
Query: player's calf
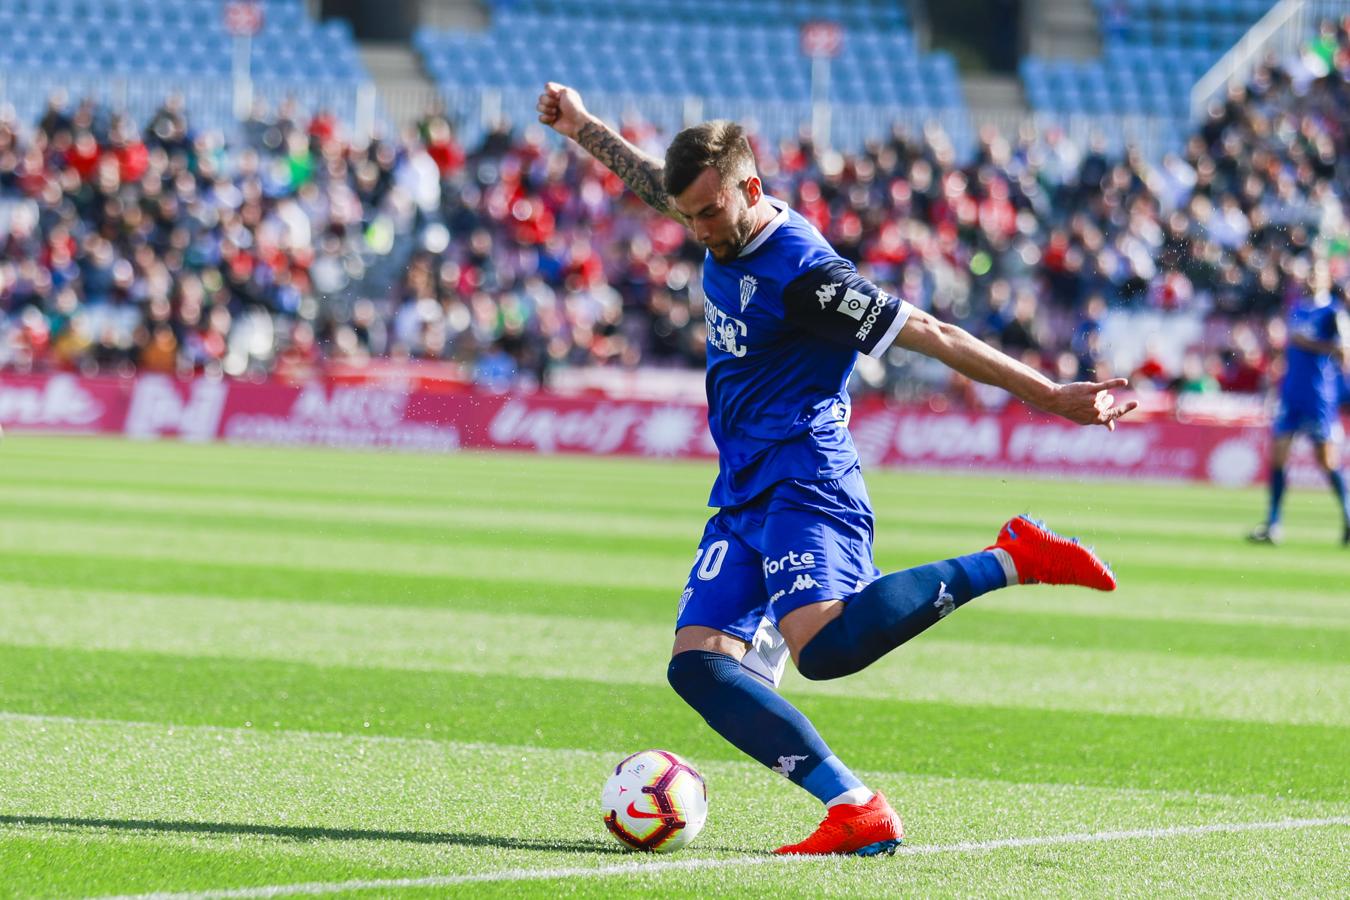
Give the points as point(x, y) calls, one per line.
point(897, 607)
point(762, 724)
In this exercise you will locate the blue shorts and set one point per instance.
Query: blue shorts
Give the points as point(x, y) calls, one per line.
point(1321, 422)
point(799, 542)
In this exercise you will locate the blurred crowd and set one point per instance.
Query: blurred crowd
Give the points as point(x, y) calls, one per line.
point(160, 248)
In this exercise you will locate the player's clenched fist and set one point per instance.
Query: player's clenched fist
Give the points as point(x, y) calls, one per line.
point(561, 109)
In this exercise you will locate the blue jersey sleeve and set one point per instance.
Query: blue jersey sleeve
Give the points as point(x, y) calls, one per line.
point(835, 303)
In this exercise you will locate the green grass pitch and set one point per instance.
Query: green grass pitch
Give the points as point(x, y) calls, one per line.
point(242, 672)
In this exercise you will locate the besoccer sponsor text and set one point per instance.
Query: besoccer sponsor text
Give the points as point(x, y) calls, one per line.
point(872, 315)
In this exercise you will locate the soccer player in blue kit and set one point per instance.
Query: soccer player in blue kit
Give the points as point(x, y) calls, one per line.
point(1310, 395)
point(785, 563)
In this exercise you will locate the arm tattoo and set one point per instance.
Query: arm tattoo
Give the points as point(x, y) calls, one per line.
point(639, 171)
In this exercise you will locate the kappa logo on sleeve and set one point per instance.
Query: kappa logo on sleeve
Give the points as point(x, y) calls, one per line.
point(825, 294)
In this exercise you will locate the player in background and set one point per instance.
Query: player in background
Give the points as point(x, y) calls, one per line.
point(1310, 394)
point(785, 563)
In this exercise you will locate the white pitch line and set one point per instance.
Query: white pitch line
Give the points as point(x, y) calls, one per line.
point(644, 868)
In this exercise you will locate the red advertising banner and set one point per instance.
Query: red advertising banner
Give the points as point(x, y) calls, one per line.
point(316, 414)
point(1019, 441)
point(385, 416)
point(63, 403)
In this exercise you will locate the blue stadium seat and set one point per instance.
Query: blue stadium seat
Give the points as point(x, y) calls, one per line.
point(759, 57)
point(129, 38)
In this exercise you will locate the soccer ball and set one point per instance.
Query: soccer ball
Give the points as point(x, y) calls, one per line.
point(655, 801)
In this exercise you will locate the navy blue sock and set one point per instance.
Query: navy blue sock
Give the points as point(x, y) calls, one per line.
point(1337, 479)
point(759, 722)
point(895, 608)
point(1276, 495)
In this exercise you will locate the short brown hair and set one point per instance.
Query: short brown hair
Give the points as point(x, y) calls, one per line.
point(719, 144)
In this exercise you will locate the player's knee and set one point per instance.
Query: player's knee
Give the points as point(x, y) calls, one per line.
point(687, 674)
point(836, 649)
point(677, 673)
point(816, 666)
point(693, 673)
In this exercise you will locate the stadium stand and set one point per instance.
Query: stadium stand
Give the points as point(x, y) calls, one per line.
point(1213, 25)
point(166, 249)
point(114, 51)
point(151, 244)
point(1154, 51)
point(643, 50)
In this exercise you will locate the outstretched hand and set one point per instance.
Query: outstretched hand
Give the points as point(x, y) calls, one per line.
point(1091, 402)
point(561, 109)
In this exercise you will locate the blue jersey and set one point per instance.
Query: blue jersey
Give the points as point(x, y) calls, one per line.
point(1312, 380)
point(786, 320)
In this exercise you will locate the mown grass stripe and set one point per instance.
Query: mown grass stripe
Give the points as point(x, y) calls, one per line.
point(448, 558)
point(577, 479)
point(1139, 613)
point(929, 738)
point(603, 565)
point(355, 527)
point(319, 583)
point(523, 522)
point(59, 454)
point(990, 623)
point(429, 495)
point(523, 514)
point(1214, 604)
point(30, 736)
point(1010, 674)
point(1176, 566)
point(994, 620)
point(284, 463)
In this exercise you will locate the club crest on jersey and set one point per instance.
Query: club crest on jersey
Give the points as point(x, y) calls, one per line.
point(748, 285)
point(825, 294)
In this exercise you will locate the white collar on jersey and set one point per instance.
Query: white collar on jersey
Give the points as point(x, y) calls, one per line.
point(769, 229)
